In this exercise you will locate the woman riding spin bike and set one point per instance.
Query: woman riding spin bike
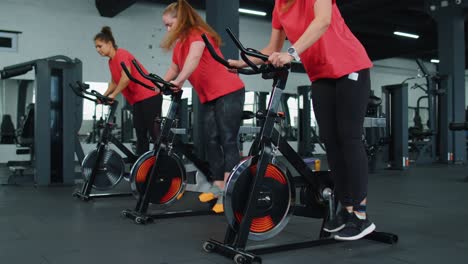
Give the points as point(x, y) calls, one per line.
point(220, 91)
point(146, 104)
point(338, 67)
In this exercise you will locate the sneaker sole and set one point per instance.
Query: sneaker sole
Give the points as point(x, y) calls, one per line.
point(364, 233)
point(334, 230)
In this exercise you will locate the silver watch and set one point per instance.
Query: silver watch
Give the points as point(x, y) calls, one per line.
point(292, 51)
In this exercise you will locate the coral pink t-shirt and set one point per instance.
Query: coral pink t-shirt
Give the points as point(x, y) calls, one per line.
point(210, 79)
point(337, 53)
point(134, 92)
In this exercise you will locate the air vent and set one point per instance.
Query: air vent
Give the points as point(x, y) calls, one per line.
point(9, 41)
point(6, 42)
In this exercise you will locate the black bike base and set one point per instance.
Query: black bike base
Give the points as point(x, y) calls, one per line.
point(250, 255)
point(238, 255)
point(143, 219)
point(86, 198)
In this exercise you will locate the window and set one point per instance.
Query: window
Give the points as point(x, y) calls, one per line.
point(293, 111)
point(6, 42)
point(249, 105)
point(187, 93)
point(89, 108)
point(9, 41)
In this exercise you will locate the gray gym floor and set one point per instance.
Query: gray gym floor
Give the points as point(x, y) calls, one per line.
point(426, 206)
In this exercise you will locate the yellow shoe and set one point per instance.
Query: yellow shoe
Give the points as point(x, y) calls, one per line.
point(219, 206)
point(206, 197)
point(212, 193)
point(180, 195)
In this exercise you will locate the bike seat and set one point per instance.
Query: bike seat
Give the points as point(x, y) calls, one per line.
point(247, 115)
point(374, 101)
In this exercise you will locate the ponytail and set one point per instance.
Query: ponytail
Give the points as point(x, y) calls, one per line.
point(106, 36)
point(187, 20)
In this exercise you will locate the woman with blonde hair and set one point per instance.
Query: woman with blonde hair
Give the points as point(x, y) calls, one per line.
point(220, 92)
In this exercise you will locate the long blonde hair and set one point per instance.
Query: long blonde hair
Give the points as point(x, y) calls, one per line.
point(187, 19)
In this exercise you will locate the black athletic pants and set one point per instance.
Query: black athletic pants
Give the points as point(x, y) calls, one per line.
point(222, 119)
point(144, 114)
point(340, 107)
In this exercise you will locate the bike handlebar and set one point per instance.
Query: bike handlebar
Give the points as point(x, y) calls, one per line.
point(160, 83)
point(81, 90)
point(244, 52)
point(249, 51)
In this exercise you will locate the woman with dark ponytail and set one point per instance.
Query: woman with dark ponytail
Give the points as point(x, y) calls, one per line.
point(220, 91)
point(146, 103)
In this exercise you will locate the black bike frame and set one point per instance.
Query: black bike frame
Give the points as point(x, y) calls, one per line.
point(166, 142)
point(235, 240)
point(85, 193)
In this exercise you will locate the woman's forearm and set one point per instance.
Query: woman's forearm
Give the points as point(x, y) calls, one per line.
point(315, 30)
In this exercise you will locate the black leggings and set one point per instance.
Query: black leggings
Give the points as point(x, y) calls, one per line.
point(340, 107)
point(222, 120)
point(144, 114)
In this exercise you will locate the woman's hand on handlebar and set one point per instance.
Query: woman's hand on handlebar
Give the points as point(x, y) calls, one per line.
point(112, 97)
point(177, 84)
point(279, 59)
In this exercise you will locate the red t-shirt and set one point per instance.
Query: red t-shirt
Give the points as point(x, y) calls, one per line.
point(134, 92)
point(210, 79)
point(337, 53)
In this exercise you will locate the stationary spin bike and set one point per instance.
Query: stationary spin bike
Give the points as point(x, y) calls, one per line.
point(260, 193)
point(102, 168)
point(159, 176)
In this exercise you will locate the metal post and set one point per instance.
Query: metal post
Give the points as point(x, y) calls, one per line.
point(304, 141)
point(396, 105)
point(42, 138)
point(450, 19)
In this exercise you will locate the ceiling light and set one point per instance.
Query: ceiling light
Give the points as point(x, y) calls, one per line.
point(252, 12)
point(435, 61)
point(408, 35)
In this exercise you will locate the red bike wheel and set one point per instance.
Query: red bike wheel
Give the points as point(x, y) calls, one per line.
point(170, 177)
point(273, 206)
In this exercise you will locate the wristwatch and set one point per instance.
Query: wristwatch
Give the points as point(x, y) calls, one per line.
point(292, 51)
